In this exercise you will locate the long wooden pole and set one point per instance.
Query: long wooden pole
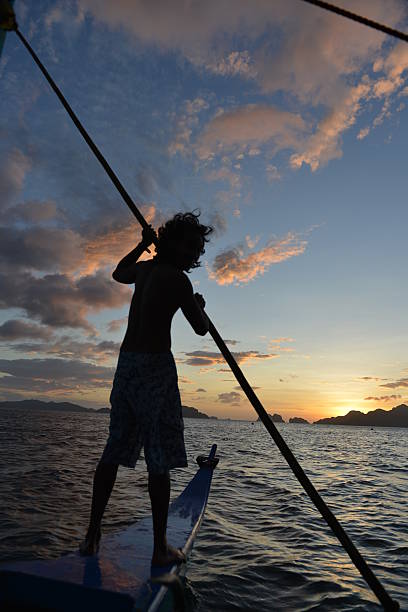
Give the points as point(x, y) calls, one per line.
point(388, 603)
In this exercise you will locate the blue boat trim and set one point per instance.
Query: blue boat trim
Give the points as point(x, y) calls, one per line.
point(120, 576)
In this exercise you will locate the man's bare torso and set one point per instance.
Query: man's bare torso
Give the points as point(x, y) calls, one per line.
point(155, 300)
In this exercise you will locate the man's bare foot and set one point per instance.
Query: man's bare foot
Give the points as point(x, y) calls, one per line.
point(90, 545)
point(168, 557)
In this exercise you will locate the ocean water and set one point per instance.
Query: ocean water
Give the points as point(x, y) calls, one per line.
point(262, 545)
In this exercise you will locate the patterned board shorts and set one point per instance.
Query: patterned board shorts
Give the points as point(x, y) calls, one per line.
point(146, 412)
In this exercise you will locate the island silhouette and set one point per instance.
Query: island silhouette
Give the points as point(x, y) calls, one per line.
point(275, 418)
point(396, 417)
point(31, 404)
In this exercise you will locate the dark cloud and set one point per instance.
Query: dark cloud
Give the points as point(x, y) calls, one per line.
point(58, 300)
point(238, 388)
point(68, 348)
point(402, 382)
point(15, 329)
point(201, 390)
point(208, 358)
point(51, 375)
point(229, 398)
point(384, 398)
point(39, 248)
point(31, 212)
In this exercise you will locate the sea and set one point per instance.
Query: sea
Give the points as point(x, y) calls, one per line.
point(262, 545)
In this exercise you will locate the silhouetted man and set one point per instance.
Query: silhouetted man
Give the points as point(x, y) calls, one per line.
point(145, 399)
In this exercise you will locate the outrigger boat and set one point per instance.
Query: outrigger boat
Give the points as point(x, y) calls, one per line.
point(120, 577)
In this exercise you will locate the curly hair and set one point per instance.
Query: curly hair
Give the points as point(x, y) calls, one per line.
point(177, 228)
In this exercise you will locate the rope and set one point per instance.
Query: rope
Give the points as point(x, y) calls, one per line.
point(368, 22)
point(387, 602)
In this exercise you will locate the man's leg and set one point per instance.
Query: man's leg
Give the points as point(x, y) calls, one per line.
point(104, 479)
point(159, 491)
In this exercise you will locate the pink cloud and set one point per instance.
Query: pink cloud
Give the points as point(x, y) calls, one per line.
point(233, 266)
point(240, 128)
point(324, 144)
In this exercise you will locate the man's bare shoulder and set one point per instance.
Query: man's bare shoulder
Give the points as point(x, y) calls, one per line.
point(174, 279)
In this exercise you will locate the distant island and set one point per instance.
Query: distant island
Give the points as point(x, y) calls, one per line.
point(31, 404)
point(396, 417)
point(192, 413)
point(298, 420)
point(275, 418)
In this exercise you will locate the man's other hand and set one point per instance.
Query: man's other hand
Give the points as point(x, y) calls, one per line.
point(200, 300)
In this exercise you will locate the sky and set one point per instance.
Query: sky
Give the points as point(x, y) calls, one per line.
point(285, 125)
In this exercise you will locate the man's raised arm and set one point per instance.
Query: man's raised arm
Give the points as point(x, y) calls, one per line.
point(125, 271)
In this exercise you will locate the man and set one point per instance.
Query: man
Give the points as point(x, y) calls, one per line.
point(146, 407)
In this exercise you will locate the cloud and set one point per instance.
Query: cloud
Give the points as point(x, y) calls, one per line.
point(238, 130)
point(316, 59)
point(53, 375)
point(402, 382)
point(13, 170)
point(209, 359)
point(31, 212)
point(201, 390)
point(229, 398)
point(233, 266)
point(383, 398)
point(190, 28)
point(308, 36)
point(38, 248)
point(117, 324)
point(185, 124)
point(15, 329)
point(324, 144)
point(370, 378)
point(66, 347)
point(225, 174)
point(272, 173)
point(236, 63)
point(218, 222)
point(254, 387)
point(58, 300)
point(363, 133)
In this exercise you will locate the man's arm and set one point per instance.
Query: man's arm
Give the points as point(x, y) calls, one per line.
point(125, 271)
point(192, 306)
